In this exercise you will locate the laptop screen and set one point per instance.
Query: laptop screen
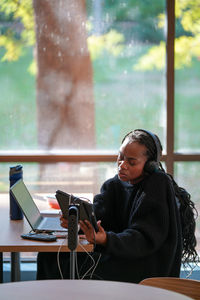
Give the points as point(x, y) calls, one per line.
point(26, 202)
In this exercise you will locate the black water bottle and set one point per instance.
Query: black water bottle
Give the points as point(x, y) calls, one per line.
point(15, 174)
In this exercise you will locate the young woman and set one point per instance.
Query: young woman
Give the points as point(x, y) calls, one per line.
point(141, 223)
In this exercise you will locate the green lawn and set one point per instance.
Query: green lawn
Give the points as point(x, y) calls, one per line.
point(18, 108)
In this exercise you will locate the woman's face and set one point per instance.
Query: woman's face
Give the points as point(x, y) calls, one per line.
point(131, 161)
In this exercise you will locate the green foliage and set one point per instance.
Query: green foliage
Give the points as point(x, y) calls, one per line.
point(155, 58)
point(189, 12)
point(14, 40)
point(12, 45)
point(187, 46)
point(132, 10)
point(135, 17)
point(112, 42)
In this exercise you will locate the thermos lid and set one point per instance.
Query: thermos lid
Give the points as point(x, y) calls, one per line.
point(15, 169)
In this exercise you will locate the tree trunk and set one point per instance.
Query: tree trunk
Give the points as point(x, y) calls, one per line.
point(64, 80)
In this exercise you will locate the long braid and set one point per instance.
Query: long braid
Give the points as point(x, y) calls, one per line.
point(188, 215)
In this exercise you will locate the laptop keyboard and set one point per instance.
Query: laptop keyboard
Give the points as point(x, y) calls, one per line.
point(51, 223)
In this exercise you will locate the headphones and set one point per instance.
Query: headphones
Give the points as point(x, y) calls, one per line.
point(151, 165)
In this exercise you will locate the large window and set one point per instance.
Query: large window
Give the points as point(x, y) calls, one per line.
point(73, 84)
point(43, 111)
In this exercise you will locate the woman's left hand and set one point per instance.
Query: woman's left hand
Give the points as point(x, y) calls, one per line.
point(91, 235)
point(63, 222)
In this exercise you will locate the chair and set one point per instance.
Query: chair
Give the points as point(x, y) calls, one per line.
point(188, 287)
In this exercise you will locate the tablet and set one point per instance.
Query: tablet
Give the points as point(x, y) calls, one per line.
point(86, 211)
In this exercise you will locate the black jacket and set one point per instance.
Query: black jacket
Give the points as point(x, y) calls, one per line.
point(143, 229)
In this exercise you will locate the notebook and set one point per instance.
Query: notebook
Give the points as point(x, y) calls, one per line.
point(37, 222)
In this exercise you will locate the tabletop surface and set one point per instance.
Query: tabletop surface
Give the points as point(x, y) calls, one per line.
point(84, 290)
point(11, 241)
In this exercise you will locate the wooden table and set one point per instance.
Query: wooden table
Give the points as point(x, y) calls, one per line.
point(10, 240)
point(84, 290)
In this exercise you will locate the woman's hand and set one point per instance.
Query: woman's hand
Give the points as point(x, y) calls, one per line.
point(63, 222)
point(91, 236)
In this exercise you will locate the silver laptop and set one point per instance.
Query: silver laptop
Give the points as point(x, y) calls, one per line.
point(31, 212)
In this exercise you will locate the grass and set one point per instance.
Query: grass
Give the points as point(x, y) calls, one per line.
point(18, 109)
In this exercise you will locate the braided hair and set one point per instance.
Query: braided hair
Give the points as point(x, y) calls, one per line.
point(187, 210)
point(188, 214)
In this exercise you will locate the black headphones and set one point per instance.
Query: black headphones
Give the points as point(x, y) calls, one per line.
point(151, 165)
